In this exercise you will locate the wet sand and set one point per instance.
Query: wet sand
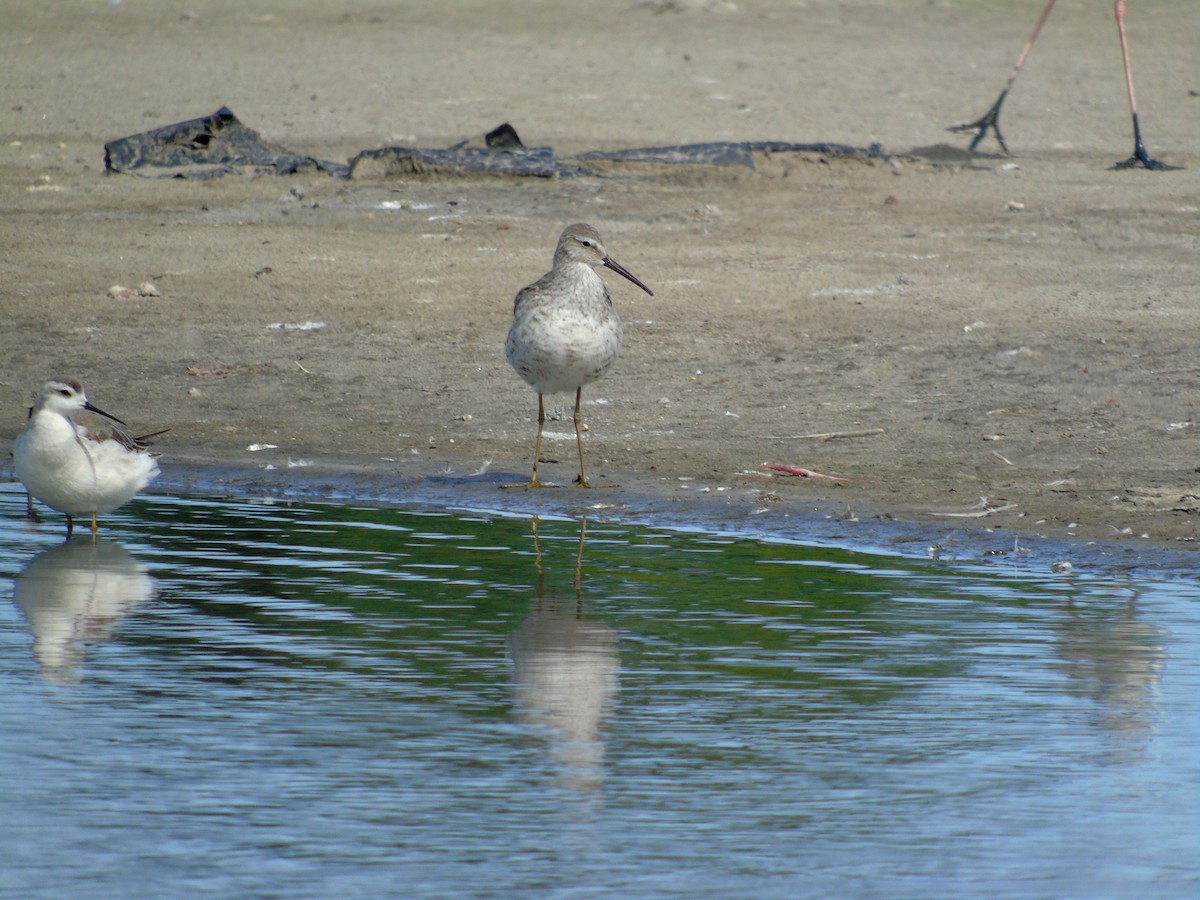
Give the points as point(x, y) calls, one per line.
point(935, 330)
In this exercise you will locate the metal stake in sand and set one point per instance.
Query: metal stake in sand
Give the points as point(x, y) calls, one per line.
point(991, 118)
point(565, 332)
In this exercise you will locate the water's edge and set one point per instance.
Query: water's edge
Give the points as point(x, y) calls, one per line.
point(646, 501)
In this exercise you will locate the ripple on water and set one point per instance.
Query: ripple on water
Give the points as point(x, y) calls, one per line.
point(244, 698)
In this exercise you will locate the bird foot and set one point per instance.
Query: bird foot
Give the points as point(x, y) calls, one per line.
point(989, 120)
point(533, 482)
point(1142, 158)
point(582, 482)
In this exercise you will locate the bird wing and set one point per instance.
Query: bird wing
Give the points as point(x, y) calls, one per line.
point(99, 428)
point(530, 291)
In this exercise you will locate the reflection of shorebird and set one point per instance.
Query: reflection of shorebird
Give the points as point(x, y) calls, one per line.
point(1115, 658)
point(78, 459)
point(565, 675)
point(565, 332)
point(991, 119)
point(75, 593)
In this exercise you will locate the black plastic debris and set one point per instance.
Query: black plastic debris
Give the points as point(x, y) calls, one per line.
point(502, 153)
point(391, 162)
point(218, 144)
point(729, 153)
point(205, 148)
point(503, 137)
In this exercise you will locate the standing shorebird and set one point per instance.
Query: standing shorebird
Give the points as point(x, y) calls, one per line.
point(565, 332)
point(77, 459)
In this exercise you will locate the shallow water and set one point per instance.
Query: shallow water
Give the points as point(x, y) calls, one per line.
point(258, 699)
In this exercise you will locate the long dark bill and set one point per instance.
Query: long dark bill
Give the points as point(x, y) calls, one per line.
point(610, 263)
point(88, 406)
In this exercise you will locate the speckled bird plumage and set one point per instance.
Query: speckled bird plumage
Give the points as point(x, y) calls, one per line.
point(565, 332)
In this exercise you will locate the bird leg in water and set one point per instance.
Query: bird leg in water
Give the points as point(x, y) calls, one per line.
point(581, 481)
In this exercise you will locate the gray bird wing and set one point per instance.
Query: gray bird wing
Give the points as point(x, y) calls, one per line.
point(99, 428)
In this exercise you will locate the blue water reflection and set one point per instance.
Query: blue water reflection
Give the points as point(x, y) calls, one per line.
point(565, 674)
point(256, 699)
point(72, 595)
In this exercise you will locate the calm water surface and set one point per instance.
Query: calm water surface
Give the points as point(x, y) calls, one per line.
point(251, 699)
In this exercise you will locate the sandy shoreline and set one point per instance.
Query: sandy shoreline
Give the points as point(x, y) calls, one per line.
point(1018, 329)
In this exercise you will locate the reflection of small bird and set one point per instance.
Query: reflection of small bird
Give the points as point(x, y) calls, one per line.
point(78, 459)
point(565, 332)
point(991, 119)
point(75, 594)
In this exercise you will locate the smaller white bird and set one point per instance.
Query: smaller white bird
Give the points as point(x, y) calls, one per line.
point(78, 459)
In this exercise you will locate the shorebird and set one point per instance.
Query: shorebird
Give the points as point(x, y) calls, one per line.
point(991, 118)
point(565, 332)
point(78, 459)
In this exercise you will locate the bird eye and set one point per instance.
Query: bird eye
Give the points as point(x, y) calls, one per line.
point(586, 243)
point(65, 392)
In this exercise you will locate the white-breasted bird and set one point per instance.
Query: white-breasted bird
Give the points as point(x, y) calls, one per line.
point(78, 459)
point(565, 332)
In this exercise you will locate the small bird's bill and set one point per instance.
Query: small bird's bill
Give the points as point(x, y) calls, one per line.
point(610, 263)
point(88, 406)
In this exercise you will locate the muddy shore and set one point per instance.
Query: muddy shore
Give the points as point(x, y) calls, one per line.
point(1005, 346)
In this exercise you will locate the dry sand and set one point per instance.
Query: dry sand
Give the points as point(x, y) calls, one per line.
point(1022, 329)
